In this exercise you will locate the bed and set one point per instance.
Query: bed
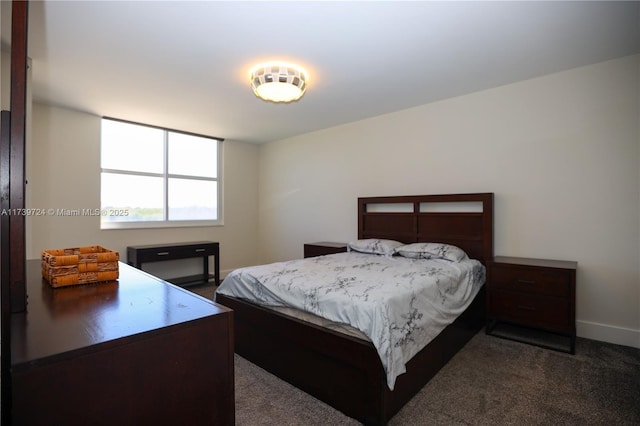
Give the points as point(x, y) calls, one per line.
point(346, 371)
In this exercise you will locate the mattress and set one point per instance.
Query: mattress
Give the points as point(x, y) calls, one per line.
point(400, 304)
point(338, 327)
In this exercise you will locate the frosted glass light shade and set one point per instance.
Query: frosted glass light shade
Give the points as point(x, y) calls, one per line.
point(278, 82)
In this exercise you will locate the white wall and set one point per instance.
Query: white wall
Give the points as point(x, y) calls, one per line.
point(64, 173)
point(5, 80)
point(560, 153)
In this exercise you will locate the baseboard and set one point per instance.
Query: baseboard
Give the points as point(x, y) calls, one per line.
point(608, 333)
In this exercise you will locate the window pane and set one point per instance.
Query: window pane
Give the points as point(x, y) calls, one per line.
point(192, 155)
point(191, 199)
point(132, 147)
point(131, 198)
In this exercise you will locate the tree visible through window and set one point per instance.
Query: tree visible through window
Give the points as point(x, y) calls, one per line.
point(155, 177)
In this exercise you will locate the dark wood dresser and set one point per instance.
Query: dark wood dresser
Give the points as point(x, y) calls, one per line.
point(129, 352)
point(532, 300)
point(322, 248)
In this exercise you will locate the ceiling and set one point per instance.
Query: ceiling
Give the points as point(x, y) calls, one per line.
point(184, 65)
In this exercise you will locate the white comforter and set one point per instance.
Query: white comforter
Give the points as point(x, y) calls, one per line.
point(401, 304)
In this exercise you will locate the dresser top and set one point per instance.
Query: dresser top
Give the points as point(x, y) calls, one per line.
point(543, 263)
point(59, 320)
point(167, 245)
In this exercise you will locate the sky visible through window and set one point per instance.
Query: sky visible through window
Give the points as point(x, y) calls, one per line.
point(133, 173)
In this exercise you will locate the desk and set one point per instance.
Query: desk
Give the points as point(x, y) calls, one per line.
point(137, 255)
point(134, 351)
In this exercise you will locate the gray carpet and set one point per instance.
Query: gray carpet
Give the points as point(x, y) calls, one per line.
point(491, 381)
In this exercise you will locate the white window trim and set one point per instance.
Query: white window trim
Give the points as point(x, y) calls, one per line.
point(165, 223)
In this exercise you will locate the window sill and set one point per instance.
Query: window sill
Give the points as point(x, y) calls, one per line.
point(160, 224)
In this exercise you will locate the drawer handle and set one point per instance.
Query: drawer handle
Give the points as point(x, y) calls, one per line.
point(525, 282)
point(198, 250)
point(162, 253)
point(526, 308)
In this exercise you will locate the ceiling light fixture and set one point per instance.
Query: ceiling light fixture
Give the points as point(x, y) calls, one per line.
point(278, 82)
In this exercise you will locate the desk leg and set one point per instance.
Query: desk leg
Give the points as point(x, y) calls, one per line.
point(205, 268)
point(216, 266)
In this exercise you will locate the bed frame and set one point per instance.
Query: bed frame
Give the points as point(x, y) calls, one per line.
point(346, 372)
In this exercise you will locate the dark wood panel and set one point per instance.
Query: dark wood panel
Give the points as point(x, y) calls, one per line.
point(538, 263)
point(5, 268)
point(13, 195)
point(178, 375)
point(342, 371)
point(552, 282)
point(459, 225)
point(471, 231)
point(17, 235)
point(323, 248)
point(397, 226)
point(325, 365)
point(134, 351)
point(64, 319)
point(531, 309)
point(532, 293)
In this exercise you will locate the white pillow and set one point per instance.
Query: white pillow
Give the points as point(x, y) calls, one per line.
point(374, 246)
point(432, 251)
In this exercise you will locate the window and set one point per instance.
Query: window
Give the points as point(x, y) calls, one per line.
point(153, 177)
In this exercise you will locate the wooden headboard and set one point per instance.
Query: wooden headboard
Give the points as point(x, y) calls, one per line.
point(463, 220)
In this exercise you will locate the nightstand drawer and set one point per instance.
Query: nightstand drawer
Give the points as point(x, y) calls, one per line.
point(552, 282)
point(542, 311)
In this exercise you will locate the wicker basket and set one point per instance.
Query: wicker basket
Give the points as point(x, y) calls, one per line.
point(80, 265)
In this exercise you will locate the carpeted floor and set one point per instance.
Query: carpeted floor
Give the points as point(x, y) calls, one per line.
point(491, 381)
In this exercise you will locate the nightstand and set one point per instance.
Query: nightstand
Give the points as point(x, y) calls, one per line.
point(322, 248)
point(532, 301)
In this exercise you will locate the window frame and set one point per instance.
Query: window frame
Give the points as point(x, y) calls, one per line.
point(165, 175)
